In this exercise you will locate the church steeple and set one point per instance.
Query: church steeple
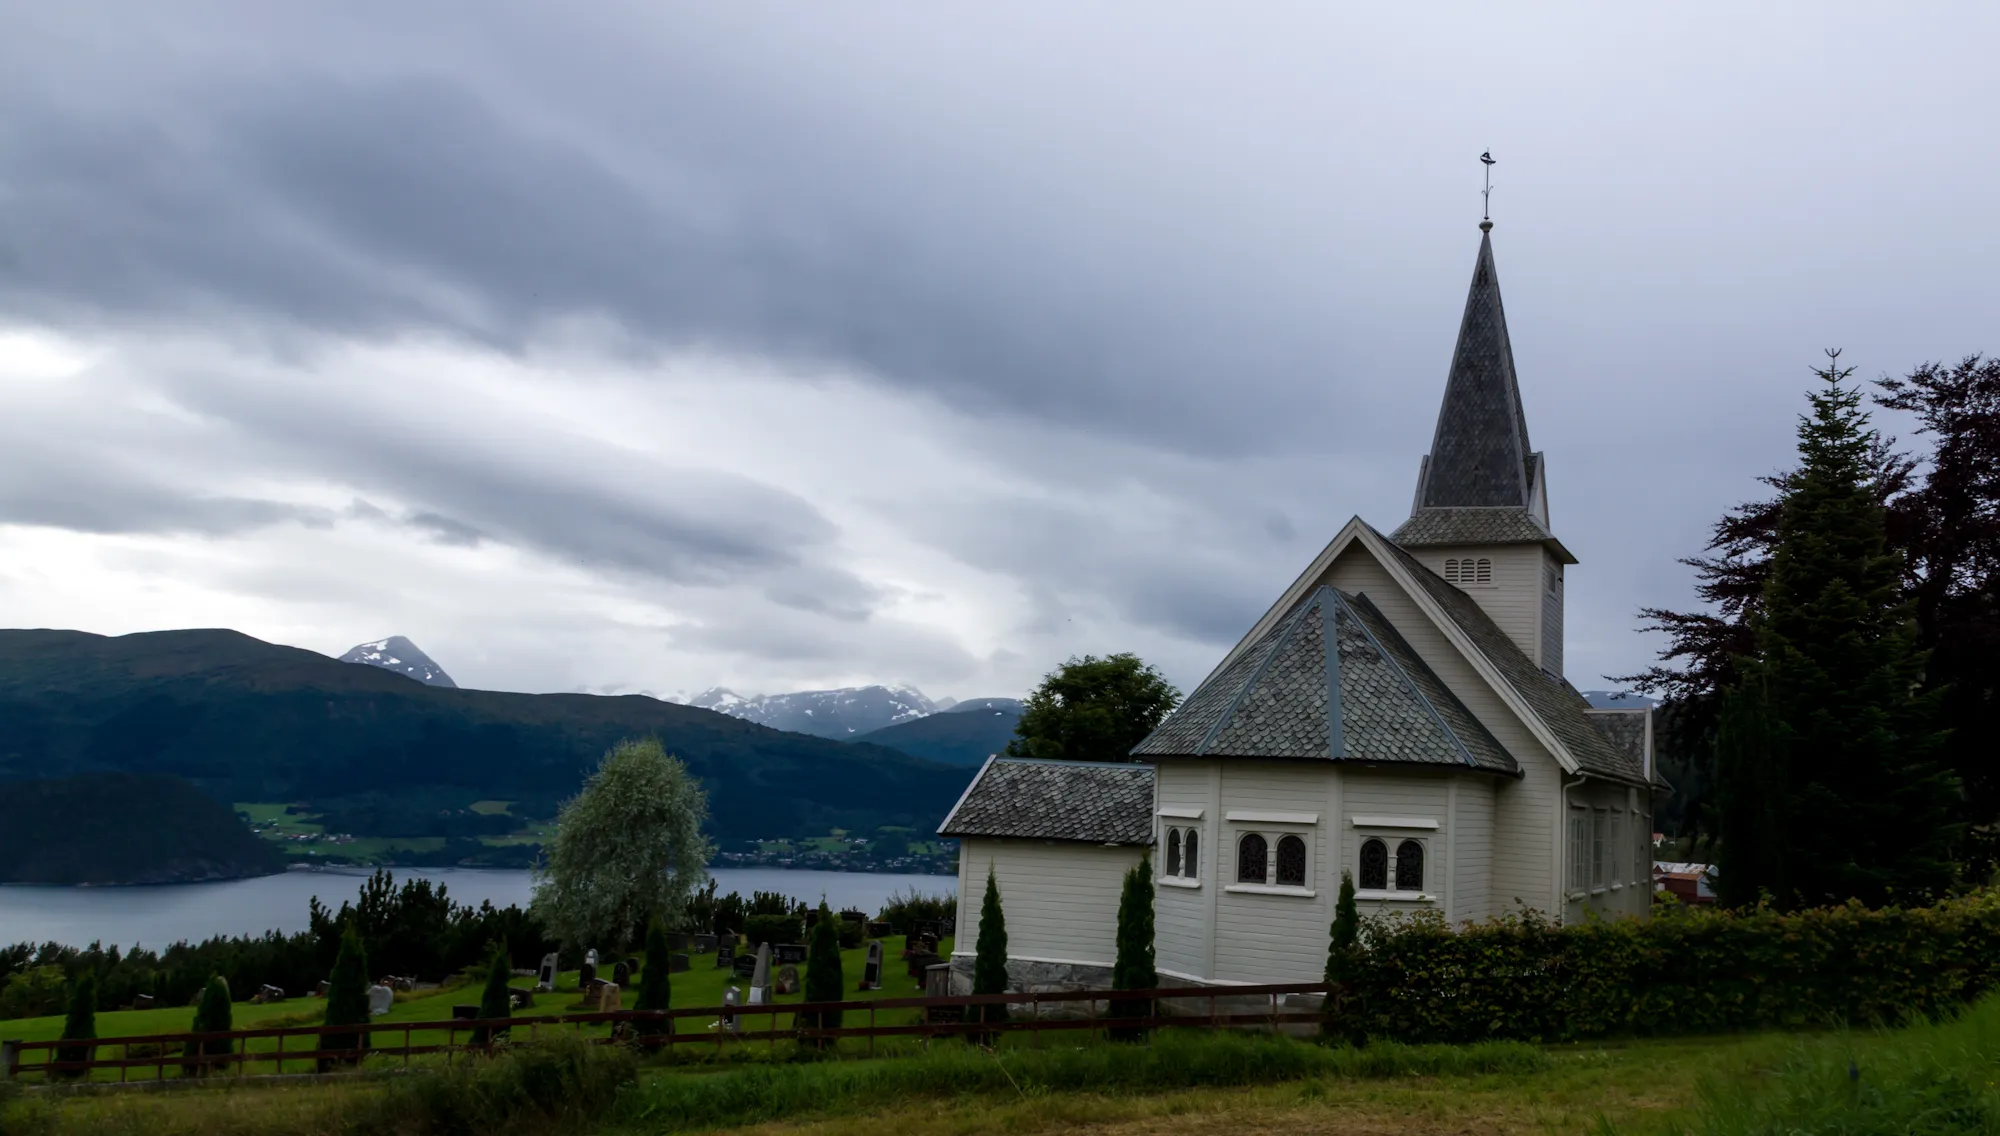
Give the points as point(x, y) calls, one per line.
point(1480, 456)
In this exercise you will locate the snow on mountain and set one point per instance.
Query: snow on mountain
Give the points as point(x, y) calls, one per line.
point(1617, 699)
point(402, 656)
point(839, 714)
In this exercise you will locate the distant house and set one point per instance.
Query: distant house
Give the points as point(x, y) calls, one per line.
point(1687, 882)
point(1398, 714)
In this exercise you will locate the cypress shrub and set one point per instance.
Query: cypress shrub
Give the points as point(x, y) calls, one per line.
point(211, 1015)
point(347, 1000)
point(825, 980)
point(81, 1023)
point(655, 980)
point(1343, 942)
point(989, 964)
point(1134, 969)
point(494, 1001)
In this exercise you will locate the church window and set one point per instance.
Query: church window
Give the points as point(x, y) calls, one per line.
point(1451, 570)
point(1482, 572)
point(1191, 856)
point(1409, 866)
point(1173, 852)
point(1252, 859)
point(1617, 841)
point(1374, 866)
point(1597, 848)
point(1291, 861)
point(1579, 845)
point(1551, 579)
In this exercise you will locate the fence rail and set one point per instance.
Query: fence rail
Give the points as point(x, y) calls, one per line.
point(938, 1014)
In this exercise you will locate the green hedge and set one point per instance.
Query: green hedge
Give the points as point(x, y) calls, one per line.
point(760, 929)
point(1684, 971)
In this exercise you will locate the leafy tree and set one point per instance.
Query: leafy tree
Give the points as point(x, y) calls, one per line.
point(627, 850)
point(1830, 747)
point(1343, 953)
point(495, 1001)
point(81, 1023)
point(656, 979)
point(347, 998)
point(1134, 968)
point(1093, 709)
point(34, 991)
point(826, 981)
point(211, 1015)
point(989, 963)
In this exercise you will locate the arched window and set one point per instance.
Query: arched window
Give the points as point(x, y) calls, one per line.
point(1173, 852)
point(1374, 866)
point(1191, 859)
point(1251, 852)
point(1291, 861)
point(1409, 866)
point(1483, 571)
point(1451, 571)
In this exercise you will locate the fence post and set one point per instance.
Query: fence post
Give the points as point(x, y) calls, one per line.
point(10, 1059)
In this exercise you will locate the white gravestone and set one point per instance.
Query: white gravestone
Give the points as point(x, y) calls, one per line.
point(380, 999)
point(760, 979)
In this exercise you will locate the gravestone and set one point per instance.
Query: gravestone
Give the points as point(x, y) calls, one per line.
point(587, 974)
point(545, 978)
point(728, 939)
point(871, 971)
point(145, 1001)
point(725, 956)
point(267, 993)
point(463, 1013)
point(730, 1000)
point(622, 974)
point(760, 978)
point(746, 965)
point(324, 986)
point(521, 999)
point(920, 961)
point(937, 980)
point(678, 963)
point(380, 999)
point(852, 916)
point(608, 998)
point(703, 944)
point(677, 941)
point(791, 952)
point(880, 929)
point(787, 982)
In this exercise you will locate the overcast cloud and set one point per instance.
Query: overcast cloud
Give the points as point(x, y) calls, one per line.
point(623, 346)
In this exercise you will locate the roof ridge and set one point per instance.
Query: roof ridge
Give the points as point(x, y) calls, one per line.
point(1278, 641)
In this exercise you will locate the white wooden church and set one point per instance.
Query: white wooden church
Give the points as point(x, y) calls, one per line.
point(1400, 713)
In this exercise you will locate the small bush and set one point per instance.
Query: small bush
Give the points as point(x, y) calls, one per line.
point(561, 1083)
point(906, 907)
point(851, 934)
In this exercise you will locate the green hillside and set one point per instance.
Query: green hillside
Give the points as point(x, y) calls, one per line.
point(965, 735)
point(380, 754)
point(123, 828)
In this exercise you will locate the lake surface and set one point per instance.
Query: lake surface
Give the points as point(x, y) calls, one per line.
point(157, 916)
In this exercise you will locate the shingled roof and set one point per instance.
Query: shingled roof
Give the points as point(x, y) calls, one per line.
point(1089, 801)
point(1331, 680)
point(1508, 525)
point(1480, 453)
point(1554, 701)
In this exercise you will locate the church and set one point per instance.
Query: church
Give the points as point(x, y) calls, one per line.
point(1399, 714)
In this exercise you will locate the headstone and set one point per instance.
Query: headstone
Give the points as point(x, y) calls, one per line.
point(788, 980)
point(703, 944)
point(728, 939)
point(380, 999)
point(746, 965)
point(520, 999)
point(402, 984)
point(268, 993)
point(622, 974)
point(545, 978)
point(880, 929)
point(730, 999)
point(760, 978)
point(725, 956)
point(937, 980)
point(145, 1001)
point(791, 952)
point(324, 986)
point(871, 971)
point(922, 961)
point(677, 963)
point(677, 941)
point(608, 998)
point(587, 973)
point(464, 1013)
point(852, 916)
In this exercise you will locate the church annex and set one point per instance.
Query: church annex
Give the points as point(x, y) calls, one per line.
point(1400, 713)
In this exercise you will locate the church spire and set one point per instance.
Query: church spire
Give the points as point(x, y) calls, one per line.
point(1480, 456)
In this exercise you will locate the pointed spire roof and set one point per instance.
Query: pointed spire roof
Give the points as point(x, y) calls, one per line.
point(1480, 456)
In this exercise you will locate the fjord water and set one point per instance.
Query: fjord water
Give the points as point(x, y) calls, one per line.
point(156, 916)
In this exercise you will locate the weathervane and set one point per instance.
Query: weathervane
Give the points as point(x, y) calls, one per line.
point(1486, 195)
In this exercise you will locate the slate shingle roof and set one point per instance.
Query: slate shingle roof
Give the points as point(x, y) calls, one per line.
point(1625, 730)
point(1371, 699)
point(1508, 525)
point(1554, 700)
point(1057, 800)
point(1480, 453)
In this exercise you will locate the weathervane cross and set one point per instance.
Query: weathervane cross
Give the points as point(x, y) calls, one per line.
point(1486, 195)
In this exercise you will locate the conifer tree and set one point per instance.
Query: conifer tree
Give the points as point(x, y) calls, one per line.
point(81, 1023)
point(1826, 723)
point(656, 980)
point(347, 997)
point(494, 1000)
point(989, 964)
point(1134, 968)
point(825, 980)
point(1342, 951)
point(211, 1015)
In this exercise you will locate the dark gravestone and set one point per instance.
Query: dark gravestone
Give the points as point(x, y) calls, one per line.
point(851, 916)
point(746, 965)
point(677, 941)
point(587, 974)
point(677, 963)
point(880, 929)
point(921, 962)
point(521, 999)
point(725, 957)
point(728, 939)
point(789, 952)
point(703, 944)
point(787, 981)
point(871, 972)
point(324, 986)
point(622, 975)
point(465, 1013)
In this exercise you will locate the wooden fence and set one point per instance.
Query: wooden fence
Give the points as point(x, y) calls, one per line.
point(941, 1017)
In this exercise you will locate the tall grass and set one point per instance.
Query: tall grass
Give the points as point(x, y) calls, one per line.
point(1932, 1079)
point(1170, 1061)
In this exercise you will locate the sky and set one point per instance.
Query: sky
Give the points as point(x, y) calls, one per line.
point(647, 347)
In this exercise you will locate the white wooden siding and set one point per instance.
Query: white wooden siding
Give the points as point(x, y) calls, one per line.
point(1551, 659)
point(1386, 794)
point(1060, 899)
point(1627, 896)
point(1183, 917)
point(1513, 599)
point(1275, 938)
point(1472, 850)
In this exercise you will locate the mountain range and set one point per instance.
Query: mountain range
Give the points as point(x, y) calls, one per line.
point(967, 734)
point(402, 656)
point(839, 714)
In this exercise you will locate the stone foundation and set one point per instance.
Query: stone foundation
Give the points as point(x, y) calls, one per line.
point(1033, 977)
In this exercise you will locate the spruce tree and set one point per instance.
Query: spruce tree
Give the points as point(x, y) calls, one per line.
point(347, 998)
point(1342, 953)
point(825, 980)
point(81, 1023)
point(1826, 723)
point(989, 964)
point(495, 1001)
point(211, 1015)
point(656, 980)
point(1134, 968)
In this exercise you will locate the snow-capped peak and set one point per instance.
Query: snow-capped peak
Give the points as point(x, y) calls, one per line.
point(842, 713)
point(402, 656)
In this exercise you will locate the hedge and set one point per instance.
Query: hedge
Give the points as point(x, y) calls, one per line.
point(1684, 971)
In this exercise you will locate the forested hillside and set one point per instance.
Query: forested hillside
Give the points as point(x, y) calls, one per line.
point(123, 828)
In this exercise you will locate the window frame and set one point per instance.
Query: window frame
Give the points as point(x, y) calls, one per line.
point(1272, 838)
point(1396, 865)
point(1361, 864)
point(1243, 840)
point(1188, 836)
point(1579, 854)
